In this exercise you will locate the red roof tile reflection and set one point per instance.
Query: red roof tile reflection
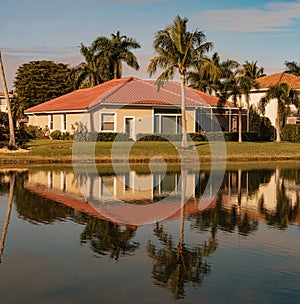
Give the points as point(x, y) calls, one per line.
point(123, 214)
point(126, 91)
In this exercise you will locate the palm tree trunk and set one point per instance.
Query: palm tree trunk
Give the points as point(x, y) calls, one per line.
point(182, 204)
point(277, 126)
point(184, 142)
point(12, 140)
point(240, 124)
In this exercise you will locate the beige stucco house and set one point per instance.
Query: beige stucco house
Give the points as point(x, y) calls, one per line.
point(264, 83)
point(131, 105)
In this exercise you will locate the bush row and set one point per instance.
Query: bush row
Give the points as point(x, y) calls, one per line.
point(291, 133)
point(113, 136)
point(199, 136)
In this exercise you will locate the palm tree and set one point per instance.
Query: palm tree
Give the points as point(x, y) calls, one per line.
point(282, 93)
point(12, 140)
point(210, 74)
point(178, 50)
point(239, 85)
point(251, 70)
point(292, 68)
point(88, 73)
point(17, 110)
point(113, 51)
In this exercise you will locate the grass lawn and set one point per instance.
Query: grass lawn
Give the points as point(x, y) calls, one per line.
point(50, 151)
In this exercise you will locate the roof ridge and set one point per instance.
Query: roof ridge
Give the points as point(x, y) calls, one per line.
point(111, 91)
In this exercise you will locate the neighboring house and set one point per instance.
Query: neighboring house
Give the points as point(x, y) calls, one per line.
point(3, 104)
point(271, 109)
point(134, 106)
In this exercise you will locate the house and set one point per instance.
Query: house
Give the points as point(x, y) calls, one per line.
point(264, 84)
point(3, 104)
point(133, 106)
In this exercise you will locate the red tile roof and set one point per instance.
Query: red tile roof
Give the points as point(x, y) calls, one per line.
point(277, 78)
point(126, 91)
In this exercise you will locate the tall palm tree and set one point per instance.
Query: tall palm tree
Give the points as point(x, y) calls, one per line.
point(292, 67)
point(177, 49)
point(115, 50)
point(282, 94)
point(239, 85)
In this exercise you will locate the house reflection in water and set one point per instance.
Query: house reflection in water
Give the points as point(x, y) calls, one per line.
point(116, 197)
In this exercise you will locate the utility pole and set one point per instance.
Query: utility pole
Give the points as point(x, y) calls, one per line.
point(12, 140)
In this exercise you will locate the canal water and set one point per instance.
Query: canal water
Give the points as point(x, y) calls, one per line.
point(150, 236)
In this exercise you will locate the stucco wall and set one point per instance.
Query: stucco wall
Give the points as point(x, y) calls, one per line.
point(43, 120)
point(270, 109)
point(143, 121)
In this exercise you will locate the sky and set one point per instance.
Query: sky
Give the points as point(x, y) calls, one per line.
point(256, 30)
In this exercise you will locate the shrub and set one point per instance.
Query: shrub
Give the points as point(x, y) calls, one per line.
point(291, 133)
point(31, 132)
point(112, 136)
point(56, 135)
point(261, 125)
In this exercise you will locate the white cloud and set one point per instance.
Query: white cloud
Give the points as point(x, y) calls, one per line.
point(274, 16)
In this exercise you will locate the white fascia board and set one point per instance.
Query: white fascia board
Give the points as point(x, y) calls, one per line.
point(57, 112)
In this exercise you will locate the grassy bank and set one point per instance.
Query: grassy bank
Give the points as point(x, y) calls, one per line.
point(51, 151)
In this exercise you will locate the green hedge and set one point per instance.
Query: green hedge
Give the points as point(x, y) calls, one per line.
point(291, 133)
point(199, 136)
point(110, 136)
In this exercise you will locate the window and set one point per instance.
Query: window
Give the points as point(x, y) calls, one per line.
point(50, 122)
point(167, 123)
point(64, 122)
point(108, 122)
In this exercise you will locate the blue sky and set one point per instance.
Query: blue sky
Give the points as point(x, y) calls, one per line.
point(266, 31)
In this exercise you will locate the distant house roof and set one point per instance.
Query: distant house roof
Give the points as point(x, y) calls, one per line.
point(1, 93)
point(126, 91)
point(277, 78)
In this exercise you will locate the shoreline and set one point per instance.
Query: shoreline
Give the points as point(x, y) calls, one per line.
point(43, 152)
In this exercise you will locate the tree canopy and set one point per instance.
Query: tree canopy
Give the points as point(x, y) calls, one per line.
point(40, 81)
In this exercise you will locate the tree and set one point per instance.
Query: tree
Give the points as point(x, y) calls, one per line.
point(292, 68)
point(88, 73)
point(112, 52)
point(211, 73)
point(251, 70)
point(177, 49)
point(282, 94)
point(12, 140)
point(40, 81)
point(239, 85)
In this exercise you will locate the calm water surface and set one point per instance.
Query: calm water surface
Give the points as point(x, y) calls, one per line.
point(134, 238)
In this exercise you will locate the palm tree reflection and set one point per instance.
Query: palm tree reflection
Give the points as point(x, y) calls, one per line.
point(175, 266)
point(12, 179)
point(105, 236)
